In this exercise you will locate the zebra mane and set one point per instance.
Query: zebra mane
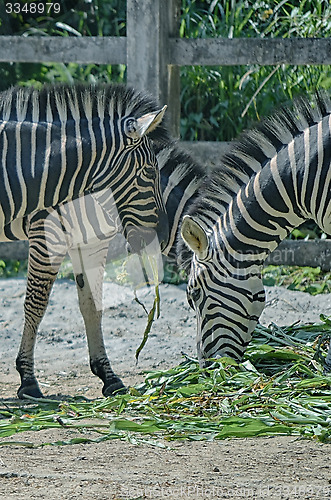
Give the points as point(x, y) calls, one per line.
point(248, 155)
point(64, 102)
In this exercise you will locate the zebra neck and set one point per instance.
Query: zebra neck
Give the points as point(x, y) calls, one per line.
point(289, 189)
point(181, 179)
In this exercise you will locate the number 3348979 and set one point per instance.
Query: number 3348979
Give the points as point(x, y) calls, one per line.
point(33, 8)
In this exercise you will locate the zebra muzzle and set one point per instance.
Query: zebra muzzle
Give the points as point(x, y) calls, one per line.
point(152, 240)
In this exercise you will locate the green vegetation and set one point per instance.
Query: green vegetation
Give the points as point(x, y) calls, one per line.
point(13, 268)
point(77, 18)
point(280, 388)
point(305, 279)
point(217, 102)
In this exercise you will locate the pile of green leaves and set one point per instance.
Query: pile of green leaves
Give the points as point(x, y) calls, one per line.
point(280, 388)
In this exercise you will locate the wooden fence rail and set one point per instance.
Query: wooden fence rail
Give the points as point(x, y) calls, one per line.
point(153, 53)
point(224, 51)
point(55, 49)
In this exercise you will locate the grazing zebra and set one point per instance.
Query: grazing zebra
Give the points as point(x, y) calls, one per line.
point(232, 219)
point(63, 143)
point(281, 177)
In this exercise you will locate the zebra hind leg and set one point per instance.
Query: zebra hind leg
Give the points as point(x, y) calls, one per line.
point(88, 263)
point(36, 301)
point(42, 271)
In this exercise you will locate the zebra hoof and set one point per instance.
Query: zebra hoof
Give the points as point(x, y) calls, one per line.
point(116, 387)
point(29, 389)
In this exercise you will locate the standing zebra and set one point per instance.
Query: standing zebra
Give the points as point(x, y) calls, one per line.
point(61, 144)
point(275, 177)
point(181, 179)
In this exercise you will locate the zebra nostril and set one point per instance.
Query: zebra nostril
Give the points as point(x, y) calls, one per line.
point(128, 248)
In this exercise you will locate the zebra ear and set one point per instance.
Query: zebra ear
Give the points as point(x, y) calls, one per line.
point(137, 128)
point(147, 123)
point(195, 237)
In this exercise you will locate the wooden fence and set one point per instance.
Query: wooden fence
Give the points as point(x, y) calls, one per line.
point(153, 53)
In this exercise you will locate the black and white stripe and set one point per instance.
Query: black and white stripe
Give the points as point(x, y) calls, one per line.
point(52, 234)
point(62, 142)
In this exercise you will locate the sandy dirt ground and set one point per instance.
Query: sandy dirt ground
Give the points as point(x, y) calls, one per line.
point(264, 468)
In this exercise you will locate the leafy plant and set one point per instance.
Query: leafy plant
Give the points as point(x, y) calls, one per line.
point(13, 268)
point(219, 102)
point(77, 18)
point(305, 279)
point(280, 388)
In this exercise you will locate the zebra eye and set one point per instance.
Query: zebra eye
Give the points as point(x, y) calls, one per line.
point(150, 172)
point(196, 294)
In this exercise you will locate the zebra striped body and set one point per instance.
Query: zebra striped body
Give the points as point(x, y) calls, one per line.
point(61, 145)
point(290, 161)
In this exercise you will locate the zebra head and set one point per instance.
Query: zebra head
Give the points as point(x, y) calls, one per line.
point(143, 215)
point(63, 142)
point(226, 294)
point(134, 201)
point(274, 178)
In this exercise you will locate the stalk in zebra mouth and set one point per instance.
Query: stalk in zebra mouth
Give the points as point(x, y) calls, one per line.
point(61, 144)
point(290, 158)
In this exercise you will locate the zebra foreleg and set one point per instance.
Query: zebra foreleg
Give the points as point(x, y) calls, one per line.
point(88, 263)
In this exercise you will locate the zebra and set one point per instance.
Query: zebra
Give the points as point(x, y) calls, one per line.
point(281, 177)
point(181, 178)
point(62, 143)
point(214, 231)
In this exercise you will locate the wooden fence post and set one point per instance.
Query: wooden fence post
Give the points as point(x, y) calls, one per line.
point(150, 23)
